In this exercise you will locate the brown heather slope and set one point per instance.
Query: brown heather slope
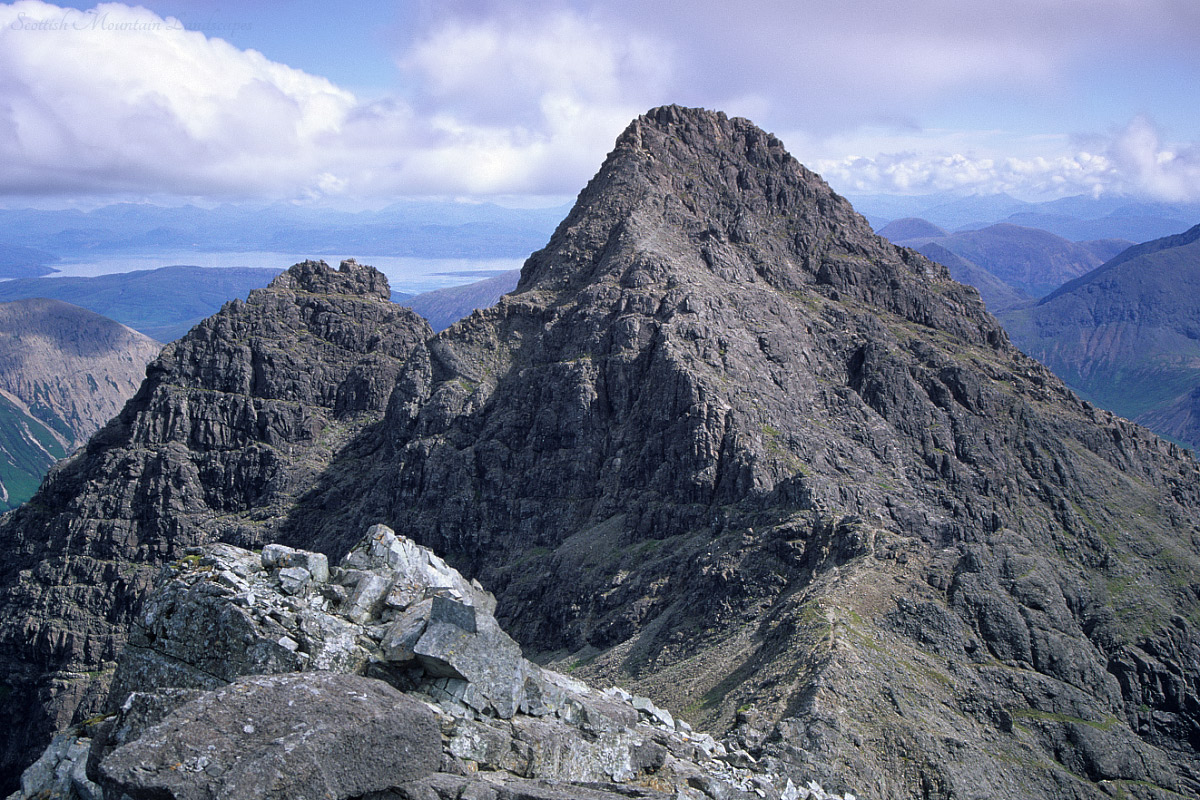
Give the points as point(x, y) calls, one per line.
point(69, 364)
point(727, 446)
point(64, 372)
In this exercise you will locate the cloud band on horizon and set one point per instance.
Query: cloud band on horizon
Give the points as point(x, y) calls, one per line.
point(490, 100)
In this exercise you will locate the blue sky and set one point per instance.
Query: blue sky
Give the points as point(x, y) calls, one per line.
point(299, 101)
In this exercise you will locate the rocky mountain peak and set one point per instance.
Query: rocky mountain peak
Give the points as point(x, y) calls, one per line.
point(723, 446)
point(698, 177)
point(231, 422)
point(690, 196)
point(350, 278)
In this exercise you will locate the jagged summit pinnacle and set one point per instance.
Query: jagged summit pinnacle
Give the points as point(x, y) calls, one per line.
point(317, 277)
point(701, 177)
point(690, 195)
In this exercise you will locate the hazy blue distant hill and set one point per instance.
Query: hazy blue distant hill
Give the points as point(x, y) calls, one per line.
point(1106, 248)
point(900, 230)
point(409, 228)
point(1125, 224)
point(1076, 218)
point(465, 240)
point(996, 294)
point(161, 303)
point(1008, 264)
point(1127, 335)
point(444, 307)
point(946, 210)
point(1034, 261)
point(973, 211)
point(24, 262)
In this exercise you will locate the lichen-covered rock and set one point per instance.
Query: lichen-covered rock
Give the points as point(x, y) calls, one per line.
point(226, 691)
point(280, 737)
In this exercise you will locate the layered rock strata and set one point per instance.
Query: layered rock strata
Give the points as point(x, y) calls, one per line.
point(232, 422)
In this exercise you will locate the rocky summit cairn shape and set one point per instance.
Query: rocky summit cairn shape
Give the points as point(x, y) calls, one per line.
point(726, 447)
point(255, 676)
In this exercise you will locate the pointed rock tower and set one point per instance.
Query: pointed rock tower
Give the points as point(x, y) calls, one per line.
point(725, 445)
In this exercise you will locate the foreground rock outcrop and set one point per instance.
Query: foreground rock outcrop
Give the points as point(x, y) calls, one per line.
point(271, 676)
point(722, 446)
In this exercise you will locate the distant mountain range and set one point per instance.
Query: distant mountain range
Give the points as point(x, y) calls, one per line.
point(165, 303)
point(429, 229)
point(996, 293)
point(1028, 262)
point(1120, 323)
point(24, 262)
point(64, 372)
point(1127, 335)
point(1077, 218)
point(444, 307)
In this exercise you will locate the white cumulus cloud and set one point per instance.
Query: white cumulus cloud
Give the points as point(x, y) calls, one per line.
point(1133, 160)
point(1147, 164)
point(121, 99)
point(495, 98)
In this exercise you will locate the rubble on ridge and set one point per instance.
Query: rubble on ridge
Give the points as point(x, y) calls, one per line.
point(293, 679)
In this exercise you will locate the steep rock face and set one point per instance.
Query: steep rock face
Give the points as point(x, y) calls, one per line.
point(64, 372)
point(725, 443)
point(231, 422)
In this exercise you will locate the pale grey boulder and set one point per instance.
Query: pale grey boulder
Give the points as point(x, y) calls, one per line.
point(60, 773)
point(281, 737)
point(253, 679)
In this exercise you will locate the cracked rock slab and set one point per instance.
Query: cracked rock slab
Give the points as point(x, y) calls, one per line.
point(300, 736)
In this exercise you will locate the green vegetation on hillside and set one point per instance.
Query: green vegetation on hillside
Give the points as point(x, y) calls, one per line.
point(27, 450)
